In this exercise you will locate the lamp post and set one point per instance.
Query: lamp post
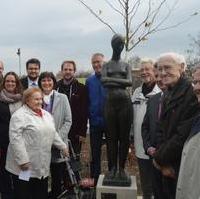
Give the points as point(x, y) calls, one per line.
point(19, 55)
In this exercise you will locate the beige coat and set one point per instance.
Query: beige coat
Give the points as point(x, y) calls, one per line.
point(31, 139)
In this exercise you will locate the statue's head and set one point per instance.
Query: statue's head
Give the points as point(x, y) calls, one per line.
point(117, 43)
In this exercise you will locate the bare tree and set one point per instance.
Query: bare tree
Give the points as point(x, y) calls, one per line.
point(193, 53)
point(156, 13)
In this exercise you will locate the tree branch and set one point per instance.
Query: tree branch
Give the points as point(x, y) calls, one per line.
point(115, 9)
point(96, 15)
point(134, 6)
point(143, 22)
point(134, 13)
point(120, 2)
point(174, 25)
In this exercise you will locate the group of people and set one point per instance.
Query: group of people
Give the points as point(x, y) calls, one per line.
point(165, 128)
point(39, 115)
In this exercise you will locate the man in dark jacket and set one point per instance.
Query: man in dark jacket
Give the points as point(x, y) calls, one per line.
point(149, 127)
point(179, 105)
point(77, 96)
point(33, 71)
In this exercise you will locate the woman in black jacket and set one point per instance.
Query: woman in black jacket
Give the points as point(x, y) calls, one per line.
point(10, 101)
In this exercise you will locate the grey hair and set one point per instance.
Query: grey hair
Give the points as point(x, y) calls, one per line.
point(147, 60)
point(178, 58)
point(97, 54)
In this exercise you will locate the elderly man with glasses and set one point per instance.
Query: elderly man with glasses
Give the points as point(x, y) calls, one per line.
point(179, 104)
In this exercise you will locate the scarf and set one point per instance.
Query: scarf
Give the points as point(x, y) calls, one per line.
point(13, 100)
point(48, 101)
point(7, 97)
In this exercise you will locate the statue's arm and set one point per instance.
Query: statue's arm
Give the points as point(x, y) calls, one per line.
point(129, 75)
point(104, 73)
point(121, 81)
point(118, 80)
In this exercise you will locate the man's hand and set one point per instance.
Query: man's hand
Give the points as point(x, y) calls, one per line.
point(168, 172)
point(25, 166)
point(156, 165)
point(151, 151)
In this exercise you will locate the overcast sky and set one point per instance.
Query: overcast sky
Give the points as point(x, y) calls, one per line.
point(56, 30)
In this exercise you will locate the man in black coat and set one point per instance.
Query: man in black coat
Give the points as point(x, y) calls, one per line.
point(179, 105)
point(149, 127)
point(78, 99)
point(33, 71)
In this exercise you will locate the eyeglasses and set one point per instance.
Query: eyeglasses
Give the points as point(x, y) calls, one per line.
point(165, 68)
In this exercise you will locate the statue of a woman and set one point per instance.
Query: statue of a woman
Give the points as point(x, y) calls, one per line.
point(116, 77)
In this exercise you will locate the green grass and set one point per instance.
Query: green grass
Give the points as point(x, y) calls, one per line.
point(81, 80)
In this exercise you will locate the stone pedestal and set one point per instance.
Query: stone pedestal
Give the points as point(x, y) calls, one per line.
point(116, 192)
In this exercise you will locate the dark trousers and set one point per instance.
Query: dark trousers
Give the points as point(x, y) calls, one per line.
point(169, 186)
point(58, 171)
point(145, 169)
point(33, 189)
point(6, 188)
point(96, 134)
point(76, 144)
point(158, 189)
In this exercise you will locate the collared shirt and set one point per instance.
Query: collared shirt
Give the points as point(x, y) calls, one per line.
point(32, 84)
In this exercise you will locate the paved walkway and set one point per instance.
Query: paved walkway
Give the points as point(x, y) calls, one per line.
point(139, 197)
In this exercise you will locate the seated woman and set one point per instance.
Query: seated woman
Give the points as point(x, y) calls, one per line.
point(32, 133)
point(116, 76)
point(58, 105)
point(10, 101)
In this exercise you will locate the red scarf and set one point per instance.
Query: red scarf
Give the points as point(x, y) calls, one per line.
point(39, 113)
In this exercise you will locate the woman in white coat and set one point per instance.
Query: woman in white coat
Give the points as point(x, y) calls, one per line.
point(32, 133)
point(58, 105)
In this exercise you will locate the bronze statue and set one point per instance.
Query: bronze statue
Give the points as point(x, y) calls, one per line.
point(116, 77)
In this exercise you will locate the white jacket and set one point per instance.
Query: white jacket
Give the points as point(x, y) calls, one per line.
point(31, 139)
point(188, 186)
point(139, 109)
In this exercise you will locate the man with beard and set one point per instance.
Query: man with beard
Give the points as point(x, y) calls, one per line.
point(77, 96)
point(139, 99)
point(33, 71)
